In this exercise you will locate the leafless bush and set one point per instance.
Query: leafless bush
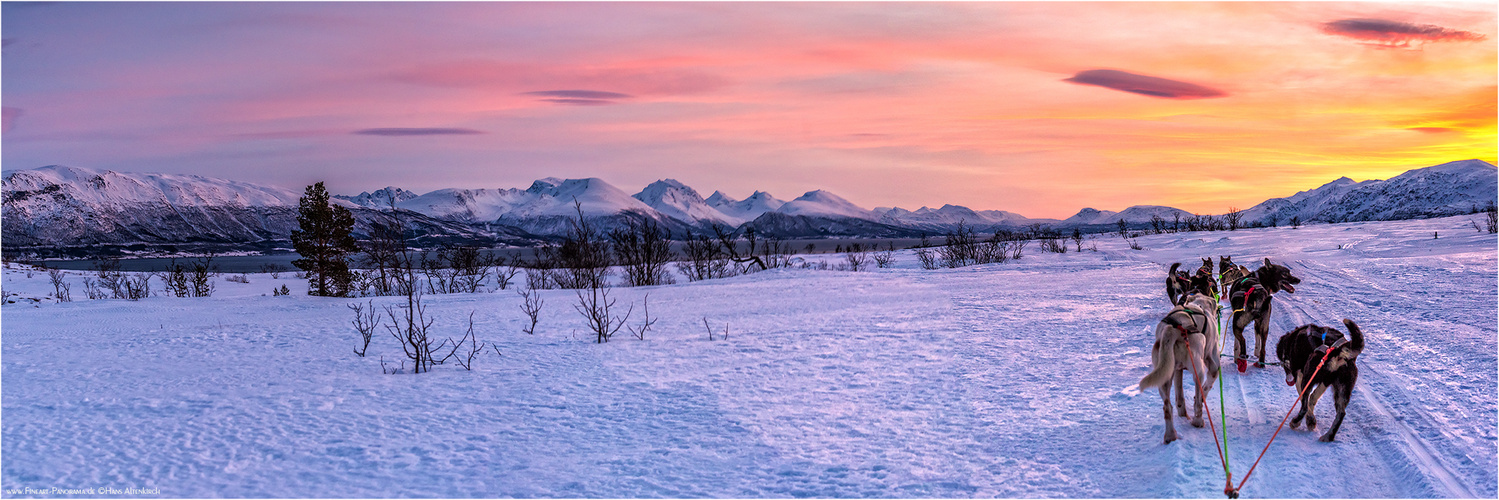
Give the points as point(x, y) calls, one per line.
point(884, 258)
point(583, 256)
point(725, 335)
point(110, 277)
point(993, 249)
point(746, 261)
point(238, 278)
point(857, 257)
point(410, 327)
point(1134, 244)
point(60, 288)
point(646, 324)
point(1077, 236)
point(94, 290)
point(465, 358)
point(366, 320)
point(642, 248)
point(505, 271)
point(201, 279)
point(1017, 249)
point(959, 249)
point(137, 286)
point(531, 305)
point(274, 270)
point(925, 254)
point(1491, 214)
point(705, 259)
point(598, 311)
point(391, 371)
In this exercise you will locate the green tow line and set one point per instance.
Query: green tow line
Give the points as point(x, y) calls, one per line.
point(1222, 413)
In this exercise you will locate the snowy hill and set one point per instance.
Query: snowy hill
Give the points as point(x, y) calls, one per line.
point(78, 208)
point(1447, 189)
point(948, 217)
point(71, 206)
point(821, 203)
point(1138, 214)
point(747, 209)
point(381, 198)
point(676, 200)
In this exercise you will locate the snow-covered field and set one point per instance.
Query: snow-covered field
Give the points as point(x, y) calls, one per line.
point(1010, 380)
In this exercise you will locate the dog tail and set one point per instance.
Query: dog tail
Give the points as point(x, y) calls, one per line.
point(1163, 356)
point(1172, 272)
point(1356, 345)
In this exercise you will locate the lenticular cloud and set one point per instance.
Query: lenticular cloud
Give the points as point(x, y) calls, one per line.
point(1144, 85)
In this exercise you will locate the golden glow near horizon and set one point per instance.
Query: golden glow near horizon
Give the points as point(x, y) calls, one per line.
point(1036, 108)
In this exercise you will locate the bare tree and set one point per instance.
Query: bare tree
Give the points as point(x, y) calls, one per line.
point(1232, 218)
point(531, 305)
point(705, 259)
point(642, 248)
point(583, 256)
point(366, 319)
point(1122, 227)
point(410, 327)
point(729, 241)
point(505, 270)
point(1077, 236)
point(1296, 221)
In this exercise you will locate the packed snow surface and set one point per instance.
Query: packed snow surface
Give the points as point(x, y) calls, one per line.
point(1009, 380)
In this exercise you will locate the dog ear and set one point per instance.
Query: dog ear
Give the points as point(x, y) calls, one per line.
point(1267, 262)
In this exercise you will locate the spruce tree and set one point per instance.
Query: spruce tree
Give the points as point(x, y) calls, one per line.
point(324, 243)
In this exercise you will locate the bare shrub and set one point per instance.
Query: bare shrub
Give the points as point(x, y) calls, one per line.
point(857, 257)
point(705, 259)
point(366, 320)
point(94, 290)
point(465, 357)
point(237, 278)
point(410, 327)
point(646, 323)
point(505, 271)
point(926, 255)
point(274, 270)
point(137, 286)
point(960, 247)
point(599, 313)
point(60, 289)
point(531, 305)
point(110, 278)
point(583, 256)
point(884, 258)
point(642, 248)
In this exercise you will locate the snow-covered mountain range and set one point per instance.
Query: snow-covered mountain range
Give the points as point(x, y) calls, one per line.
point(58, 206)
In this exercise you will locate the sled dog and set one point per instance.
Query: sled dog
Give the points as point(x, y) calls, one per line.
point(1250, 299)
point(1301, 350)
point(1194, 324)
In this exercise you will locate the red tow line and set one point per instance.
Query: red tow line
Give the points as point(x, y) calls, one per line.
point(1229, 476)
point(1233, 492)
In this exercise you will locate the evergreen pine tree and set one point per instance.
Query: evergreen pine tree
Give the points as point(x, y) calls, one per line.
point(324, 243)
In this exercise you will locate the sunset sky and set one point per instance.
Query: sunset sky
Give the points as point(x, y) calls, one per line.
point(1037, 108)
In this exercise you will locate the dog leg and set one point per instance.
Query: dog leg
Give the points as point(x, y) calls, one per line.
point(1197, 394)
point(1311, 406)
point(1181, 401)
point(1261, 333)
point(1300, 385)
point(1166, 408)
point(1340, 396)
point(1239, 320)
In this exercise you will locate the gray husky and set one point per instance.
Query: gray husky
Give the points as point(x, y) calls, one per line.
point(1194, 324)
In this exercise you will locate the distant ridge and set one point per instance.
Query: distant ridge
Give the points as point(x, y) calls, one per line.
point(60, 206)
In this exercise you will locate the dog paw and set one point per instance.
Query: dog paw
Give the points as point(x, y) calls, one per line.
point(1241, 365)
point(1197, 422)
point(1327, 438)
point(1170, 436)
